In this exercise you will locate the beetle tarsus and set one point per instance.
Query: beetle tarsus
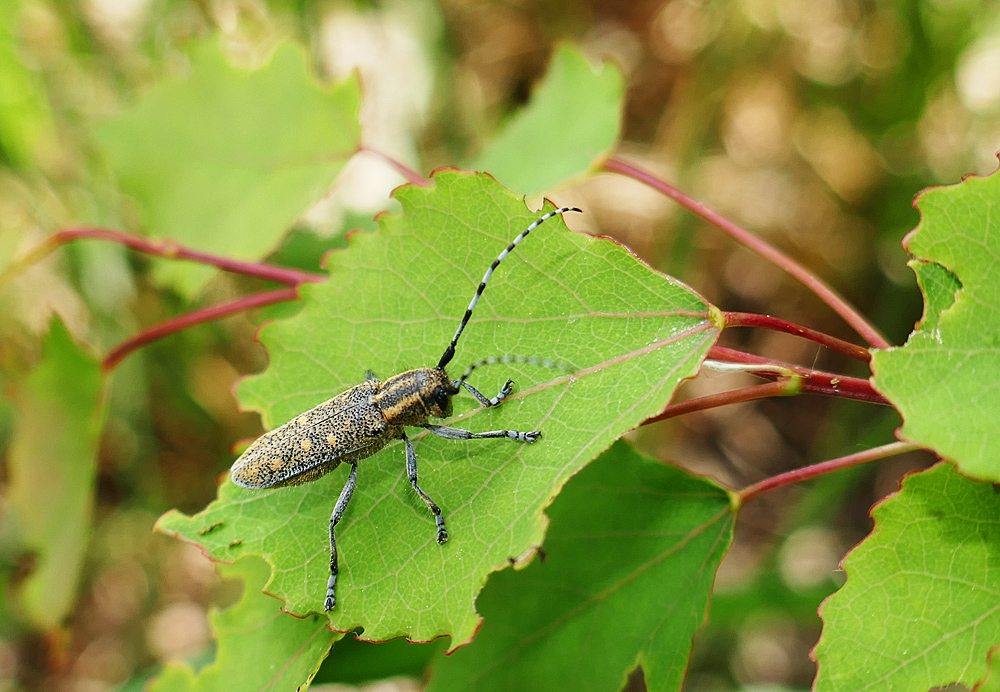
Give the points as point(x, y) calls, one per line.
point(331, 600)
point(442, 535)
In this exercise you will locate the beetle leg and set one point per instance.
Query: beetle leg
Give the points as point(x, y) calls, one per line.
point(370, 376)
point(411, 473)
point(459, 434)
point(495, 401)
point(338, 512)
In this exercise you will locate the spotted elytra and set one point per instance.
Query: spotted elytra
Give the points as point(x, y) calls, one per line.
point(360, 421)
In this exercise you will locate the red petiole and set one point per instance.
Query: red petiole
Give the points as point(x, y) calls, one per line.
point(787, 379)
point(821, 469)
point(744, 237)
point(292, 278)
point(744, 319)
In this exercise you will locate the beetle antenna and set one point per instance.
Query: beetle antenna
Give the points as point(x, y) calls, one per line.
point(449, 352)
point(528, 360)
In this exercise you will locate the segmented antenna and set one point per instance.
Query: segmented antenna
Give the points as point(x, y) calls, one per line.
point(527, 360)
point(449, 352)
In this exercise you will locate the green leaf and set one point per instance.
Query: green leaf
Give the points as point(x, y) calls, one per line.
point(52, 464)
point(921, 605)
point(392, 302)
point(627, 530)
point(225, 160)
point(946, 380)
point(571, 124)
point(260, 647)
point(25, 116)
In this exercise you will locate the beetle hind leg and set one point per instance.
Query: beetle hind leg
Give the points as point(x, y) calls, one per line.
point(338, 513)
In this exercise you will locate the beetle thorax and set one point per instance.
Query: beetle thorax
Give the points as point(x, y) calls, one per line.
point(411, 397)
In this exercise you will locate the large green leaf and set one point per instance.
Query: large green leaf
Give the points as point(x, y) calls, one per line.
point(392, 303)
point(946, 379)
point(52, 465)
point(573, 120)
point(226, 159)
point(260, 648)
point(626, 531)
point(921, 605)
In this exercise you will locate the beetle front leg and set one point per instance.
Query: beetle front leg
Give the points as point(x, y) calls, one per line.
point(338, 513)
point(411, 473)
point(495, 401)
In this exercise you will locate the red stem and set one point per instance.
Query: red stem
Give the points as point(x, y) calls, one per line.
point(737, 396)
point(194, 317)
point(745, 319)
point(401, 168)
point(823, 468)
point(813, 381)
point(292, 278)
point(813, 283)
point(172, 250)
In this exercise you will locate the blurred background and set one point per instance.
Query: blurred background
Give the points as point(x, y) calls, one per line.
point(813, 124)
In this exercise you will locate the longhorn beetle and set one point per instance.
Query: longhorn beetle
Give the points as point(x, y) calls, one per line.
point(359, 422)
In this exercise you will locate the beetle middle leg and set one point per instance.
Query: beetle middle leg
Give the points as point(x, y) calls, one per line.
point(411, 473)
point(459, 434)
point(338, 513)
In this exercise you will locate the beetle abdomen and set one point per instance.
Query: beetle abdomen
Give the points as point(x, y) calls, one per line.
point(347, 427)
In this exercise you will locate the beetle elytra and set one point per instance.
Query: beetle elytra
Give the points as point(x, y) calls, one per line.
point(360, 421)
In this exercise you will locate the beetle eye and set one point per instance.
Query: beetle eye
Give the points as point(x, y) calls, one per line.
point(441, 396)
point(442, 400)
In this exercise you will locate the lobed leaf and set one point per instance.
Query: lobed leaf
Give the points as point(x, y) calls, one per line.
point(921, 605)
point(946, 380)
point(626, 530)
point(225, 160)
point(392, 303)
point(571, 123)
